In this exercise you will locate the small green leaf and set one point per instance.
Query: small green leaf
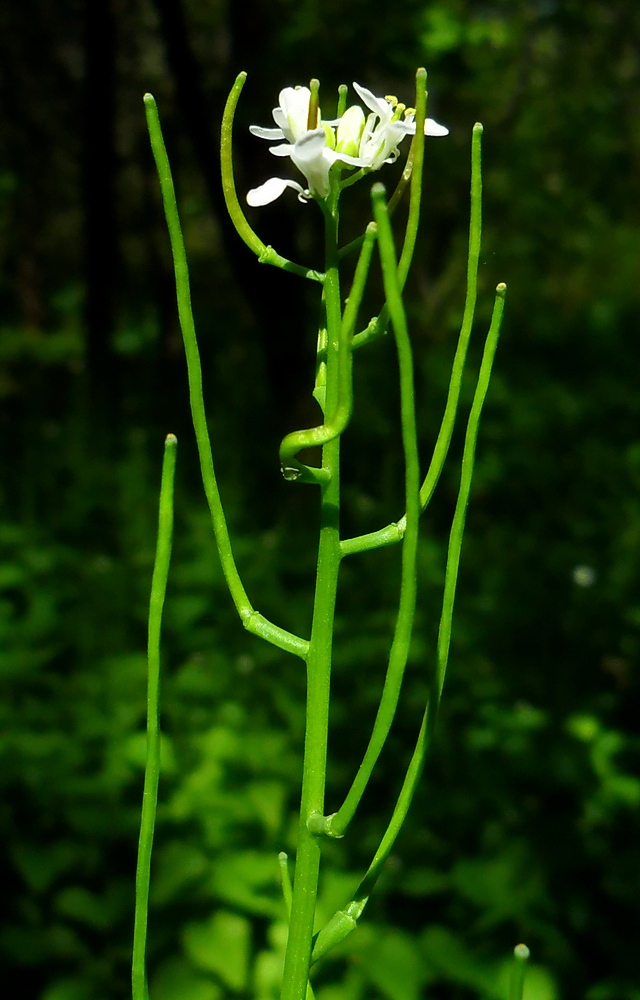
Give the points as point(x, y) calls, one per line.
point(248, 880)
point(394, 966)
point(456, 963)
point(221, 945)
point(67, 989)
point(86, 907)
point(177, 980)
point(176, 865)
point(539, 984)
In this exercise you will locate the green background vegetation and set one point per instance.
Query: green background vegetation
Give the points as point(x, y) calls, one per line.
point(526, 826)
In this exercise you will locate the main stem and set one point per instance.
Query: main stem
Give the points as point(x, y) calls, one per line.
point(305, 886)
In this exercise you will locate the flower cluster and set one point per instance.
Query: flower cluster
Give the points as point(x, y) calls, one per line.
point(354, 139)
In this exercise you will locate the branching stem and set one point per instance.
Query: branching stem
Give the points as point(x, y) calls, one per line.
point(334, 392)
point(305, 884)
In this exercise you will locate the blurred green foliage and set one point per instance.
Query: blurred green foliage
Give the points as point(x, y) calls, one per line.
point(527, 823)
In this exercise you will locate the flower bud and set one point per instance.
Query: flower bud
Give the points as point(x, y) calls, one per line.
point(350, 129)
point(329, 136)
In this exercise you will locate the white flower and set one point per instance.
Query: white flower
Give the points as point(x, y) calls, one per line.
point(312, 150)
point(384, 131)
point(313, 158)
point(357, 142)
point(291, 116)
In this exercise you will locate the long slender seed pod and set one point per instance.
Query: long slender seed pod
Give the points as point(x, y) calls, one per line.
point(265, 254)
point(152, 767)
point(399, 652)
point(252, 620)
point(520, 958)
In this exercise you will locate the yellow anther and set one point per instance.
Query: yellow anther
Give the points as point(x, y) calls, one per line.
point(391, 99)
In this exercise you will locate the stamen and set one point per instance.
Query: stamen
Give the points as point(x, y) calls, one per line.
point(312, 118)
point(343, 90)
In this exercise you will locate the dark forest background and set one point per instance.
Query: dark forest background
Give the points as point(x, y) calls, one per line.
point(526, 826)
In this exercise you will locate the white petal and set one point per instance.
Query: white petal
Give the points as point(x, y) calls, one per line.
point(284, 150)
point(271, 190)
point(266, 133)
point(430, 126)
point(280, 119)
point(433, 128)
point(291, 96)
point(353, 161)
point(294, 103)
point(382, 146)
point(369, 129)
point(378, 105)
point(308, 154)
point(310, 145)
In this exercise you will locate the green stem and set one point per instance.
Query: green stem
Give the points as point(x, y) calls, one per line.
point(520, 958)
point(251, 620)
point(398, 817)
point(152, 768)
point(451, 578)
point(285, 881)
point(393, 203)
point(406, 610)
point(429, 718)
point(344, 921)
point(415, 195)
point(460, 513)
point(475, 239)
point(265, 254)
point(339, 420)
point(305, 886)
point(413, 171)
point(389, 535)
point(382, 537)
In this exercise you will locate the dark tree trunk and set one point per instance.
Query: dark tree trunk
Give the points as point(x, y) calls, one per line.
point(99, 171)
point(263, 288)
